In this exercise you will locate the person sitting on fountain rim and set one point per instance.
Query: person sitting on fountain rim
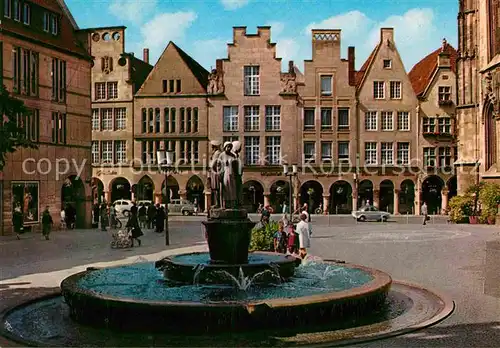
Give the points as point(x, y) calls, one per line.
point(280, 239)
point(303, 232)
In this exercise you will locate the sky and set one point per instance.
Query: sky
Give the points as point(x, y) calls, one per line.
point(203, 28)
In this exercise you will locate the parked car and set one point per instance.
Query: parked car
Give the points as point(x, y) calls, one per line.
point(123, 206)
point(370, 213)
point(181, 206)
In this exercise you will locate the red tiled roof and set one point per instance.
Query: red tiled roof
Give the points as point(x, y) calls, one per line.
point(361, 73)
point(66, 40)
point(421, 74)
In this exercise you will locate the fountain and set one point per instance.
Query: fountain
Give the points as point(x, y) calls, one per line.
point(224, 290)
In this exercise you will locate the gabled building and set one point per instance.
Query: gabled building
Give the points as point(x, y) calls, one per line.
point(434, 82)
point(171, 112)
point(387, 130)
point(45, 64)
point(116, 77)
point(328, 125)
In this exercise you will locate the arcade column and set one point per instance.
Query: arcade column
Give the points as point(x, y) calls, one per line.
point(376, 198)
point(266, 198)
point(208, 200)
point(418, 203)
point(326, 201)
point(183, 194)
point(444, 200)
point(107, 196)
point(396, 202)
point(355, 199)
point(158, 197)
point(296, 202)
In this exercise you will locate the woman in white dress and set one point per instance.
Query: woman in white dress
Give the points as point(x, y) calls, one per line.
point(303, 232)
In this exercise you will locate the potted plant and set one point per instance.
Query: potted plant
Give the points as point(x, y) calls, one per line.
point(460, 209)
point(474, 191)
point(490, 199)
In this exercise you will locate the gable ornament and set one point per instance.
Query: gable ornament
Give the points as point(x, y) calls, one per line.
point(288, 83)
point(215, 82)
point(491, 91)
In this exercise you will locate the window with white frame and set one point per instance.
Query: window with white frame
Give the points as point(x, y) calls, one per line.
point(120, 151)
point(386, 120)
point(54, 24)
point(403, 153)
point(387, 153)
point(429, 124)
point(387, 64)
point(46, 22)
point(378, 89)
point(343, 118)
point(326, 118)
point(252, 150)
point(7, 8)
point(95, 152)
point(370, 153)
point(326, 151)
point(252, 79)
point(444, 125)
point(230, 122)
point(120, 118)
point(106, 119)
point(107, 152)
point(429, 156)
point(273, 150)
point(273, 118)
point(16, 9)
point(343, 151)
point(95, 119)
point(326, 85)
point(371, 120)
point(309, 119)
point(252, 118)
point(26, 14)
point(100, 90)
point(445, 156)
point(444, 93)
point(395, 89)
point(309, 150)
point(403, 121)
point(112, 90)
point(230, 138)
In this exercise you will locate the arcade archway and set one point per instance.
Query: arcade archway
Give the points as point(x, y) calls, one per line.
point(144, 190)
point(387, 196)
point(120, 189)
point(73, 197)
point(97, 191)
point(452, 187)
point(340, 198)
point(195, 191)
point(311, 192)
point(365, 193)
point(407, 197)
point(280, 193)
point(171, 191)
point(253, 195)
point(431, 193)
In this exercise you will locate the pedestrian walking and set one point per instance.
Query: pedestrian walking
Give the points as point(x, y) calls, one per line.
point(133, 226)
point(112, 216)
point(159, 219)
point(47, 223)
point(18, 221)
point(303, 232)
point(95, 211)
point(63, 219)
point(151, 216)
point(425, 213)
point(142, 213)
point(195, 206)
point(104, 217)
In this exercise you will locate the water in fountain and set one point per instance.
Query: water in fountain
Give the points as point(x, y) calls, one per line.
point(243, 282)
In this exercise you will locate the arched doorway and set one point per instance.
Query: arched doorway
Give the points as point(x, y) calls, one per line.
point(195, 191)
point(311, 192)
point(387, 196)
point(171, 191)
point(73, 195)
point(144, 190)
point(407, 197)
point(120, 189)
point(97, 191)
point(452, 187)
point(491, 137)
point(340, 198)
point(280, 193)
point(365, 193)
point(431, 193)
point(253, 195)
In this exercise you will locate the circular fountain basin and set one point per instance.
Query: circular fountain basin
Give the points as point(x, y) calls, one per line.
point(197, 268)
point(136, 297)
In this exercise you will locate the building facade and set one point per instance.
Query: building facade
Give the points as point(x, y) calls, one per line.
point(46, 65)
point(478, 108)
point(116, 77)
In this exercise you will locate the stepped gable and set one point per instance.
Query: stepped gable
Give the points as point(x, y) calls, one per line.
point(421, 74)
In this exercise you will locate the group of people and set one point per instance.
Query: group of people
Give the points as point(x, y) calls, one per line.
point(68, 217)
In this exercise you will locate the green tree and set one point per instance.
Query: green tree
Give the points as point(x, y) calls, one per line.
point(12, 132)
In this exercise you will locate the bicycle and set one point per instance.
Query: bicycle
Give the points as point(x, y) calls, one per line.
point(319, 210)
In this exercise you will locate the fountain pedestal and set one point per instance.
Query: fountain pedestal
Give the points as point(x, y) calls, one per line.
point(228, 235)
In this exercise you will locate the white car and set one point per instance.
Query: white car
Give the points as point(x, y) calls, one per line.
point(123, 206)
point(370, 213)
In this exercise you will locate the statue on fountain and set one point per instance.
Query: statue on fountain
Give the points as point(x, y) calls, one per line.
point(214, 174)
point(228, 171)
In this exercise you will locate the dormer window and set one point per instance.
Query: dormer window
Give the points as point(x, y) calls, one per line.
point(387, 64)
point(54, 27)
point(26, 14)
point(17, 11)
point(7, 8)
point(46, 22)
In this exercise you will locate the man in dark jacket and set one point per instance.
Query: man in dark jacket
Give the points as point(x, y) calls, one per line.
point(160, 219)
point(151, 215)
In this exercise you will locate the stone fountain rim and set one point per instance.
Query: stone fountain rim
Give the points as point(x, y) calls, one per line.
point(380, 283)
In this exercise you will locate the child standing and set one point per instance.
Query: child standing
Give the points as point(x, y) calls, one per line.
point(280, 239)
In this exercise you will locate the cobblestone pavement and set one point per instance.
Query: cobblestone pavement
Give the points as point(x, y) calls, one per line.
point(462, 261)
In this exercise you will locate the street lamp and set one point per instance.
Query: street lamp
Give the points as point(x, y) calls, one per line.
point(166, 163)
point(290, 175)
